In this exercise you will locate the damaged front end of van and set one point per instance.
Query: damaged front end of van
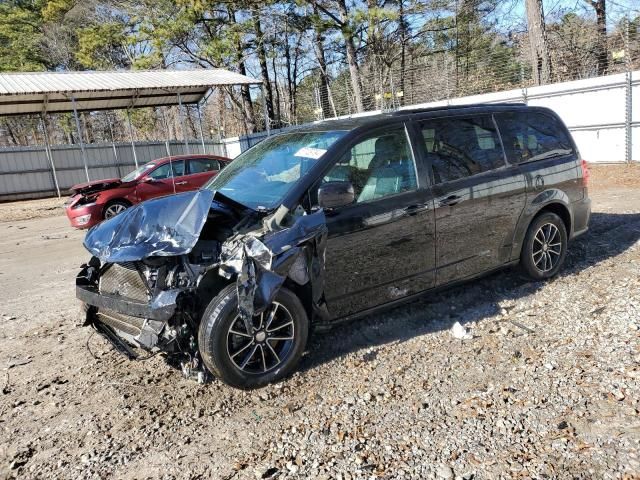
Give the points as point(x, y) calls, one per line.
point(157, 266)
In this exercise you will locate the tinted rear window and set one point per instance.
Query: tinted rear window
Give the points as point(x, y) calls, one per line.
point(530, 136)
point(202, 165)
point(461, 147)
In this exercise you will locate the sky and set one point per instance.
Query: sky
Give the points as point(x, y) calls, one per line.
point(514, 12)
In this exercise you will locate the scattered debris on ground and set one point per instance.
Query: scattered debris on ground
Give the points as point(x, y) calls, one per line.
point(545, 384)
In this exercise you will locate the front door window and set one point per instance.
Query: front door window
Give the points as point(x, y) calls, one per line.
point(164, 171)
point(377, 167)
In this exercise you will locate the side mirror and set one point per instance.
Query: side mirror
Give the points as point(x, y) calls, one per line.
point(335, 194)
point(146, 179)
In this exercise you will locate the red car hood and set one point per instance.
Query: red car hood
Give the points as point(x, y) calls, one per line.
point(96, 185)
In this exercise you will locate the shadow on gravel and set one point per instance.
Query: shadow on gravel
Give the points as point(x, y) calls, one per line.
point(609, 236)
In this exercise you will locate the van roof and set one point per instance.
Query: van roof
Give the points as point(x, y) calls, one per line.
point(351, 123)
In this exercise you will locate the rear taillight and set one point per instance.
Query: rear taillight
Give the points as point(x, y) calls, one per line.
point(585, 173)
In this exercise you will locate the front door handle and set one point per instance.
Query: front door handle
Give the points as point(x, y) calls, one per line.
point(414, 209)
point(181, 183)
point(450, 201)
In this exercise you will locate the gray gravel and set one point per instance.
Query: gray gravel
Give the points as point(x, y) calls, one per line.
point(545, 384)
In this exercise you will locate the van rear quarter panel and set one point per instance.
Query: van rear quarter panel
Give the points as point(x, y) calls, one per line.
point(551, 181)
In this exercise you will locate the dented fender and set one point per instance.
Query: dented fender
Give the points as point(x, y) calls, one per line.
point(262, 264)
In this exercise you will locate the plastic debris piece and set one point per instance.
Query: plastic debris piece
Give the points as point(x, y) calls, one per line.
point(459, 332)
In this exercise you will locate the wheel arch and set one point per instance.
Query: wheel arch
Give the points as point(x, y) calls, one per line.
point(554, 201)
point(113, 200)
point(209, 287)
point(559, 209)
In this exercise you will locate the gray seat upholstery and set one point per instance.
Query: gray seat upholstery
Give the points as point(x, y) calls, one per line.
point(391, 171)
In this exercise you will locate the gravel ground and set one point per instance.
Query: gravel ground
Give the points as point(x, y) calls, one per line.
point(546, 387)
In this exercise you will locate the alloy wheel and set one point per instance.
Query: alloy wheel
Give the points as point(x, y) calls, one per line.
point(264, 343)
point(114, 210)
point(547, 247)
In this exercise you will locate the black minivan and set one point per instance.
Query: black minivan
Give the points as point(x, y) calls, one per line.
point(331, 221)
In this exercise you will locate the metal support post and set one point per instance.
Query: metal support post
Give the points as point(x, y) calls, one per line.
point(628, 116)
point(184, 131)
point(628, 119)
point(47, 147)
point(200, 128)
point(168, 149)
point(133, 145)
point(79, 130)
point(113, 145)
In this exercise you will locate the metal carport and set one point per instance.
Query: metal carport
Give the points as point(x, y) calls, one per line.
point(57, 92)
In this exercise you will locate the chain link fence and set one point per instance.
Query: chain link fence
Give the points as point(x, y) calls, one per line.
point(495, 64)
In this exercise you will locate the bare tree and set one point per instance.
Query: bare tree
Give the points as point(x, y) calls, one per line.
point(602, 55)
point(247, 106)
point(262, 60)
point(344, 25)
point(540, 59)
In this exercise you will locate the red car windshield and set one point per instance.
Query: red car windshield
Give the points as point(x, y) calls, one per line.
point(138, 172)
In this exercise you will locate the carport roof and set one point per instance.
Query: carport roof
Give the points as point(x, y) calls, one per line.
point(37, 92)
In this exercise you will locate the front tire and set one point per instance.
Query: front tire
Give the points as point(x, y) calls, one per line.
point(267, 352)
point(545, 247)
point(114, 208)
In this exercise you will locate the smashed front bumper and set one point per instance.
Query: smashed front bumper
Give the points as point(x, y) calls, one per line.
point(126, 322)
point(161, 308)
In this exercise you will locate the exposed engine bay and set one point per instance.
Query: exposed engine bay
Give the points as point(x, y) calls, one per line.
point(156, 267)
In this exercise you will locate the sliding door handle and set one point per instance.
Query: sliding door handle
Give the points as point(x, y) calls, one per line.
point(450, 201)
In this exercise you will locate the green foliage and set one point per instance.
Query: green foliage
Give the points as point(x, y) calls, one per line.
point(101, 46)
point(427, 49)
point(21, 36)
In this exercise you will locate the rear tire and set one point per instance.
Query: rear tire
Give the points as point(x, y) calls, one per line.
point(545, 247)
point(253, 359)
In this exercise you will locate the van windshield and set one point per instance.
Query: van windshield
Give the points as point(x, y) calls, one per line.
point(260, 177)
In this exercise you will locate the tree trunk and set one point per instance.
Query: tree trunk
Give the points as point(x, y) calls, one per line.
point(247, 105)
point(10, 131)
point(541, 62)
point(275, 85)
point(318, 45)
point(402, 26)
point(264, 69)
point(352, 60)
point(601, 47)
point(294, 76)
point(290, 81)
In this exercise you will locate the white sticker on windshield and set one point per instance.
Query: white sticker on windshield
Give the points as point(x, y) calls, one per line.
point(310, 152)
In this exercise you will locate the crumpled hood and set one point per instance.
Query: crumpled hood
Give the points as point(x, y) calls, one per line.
point(96, 185)
point(165, 226)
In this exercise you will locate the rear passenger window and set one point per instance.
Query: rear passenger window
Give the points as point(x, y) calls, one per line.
point(461, 147)
point(530, 136)
point(202, 165)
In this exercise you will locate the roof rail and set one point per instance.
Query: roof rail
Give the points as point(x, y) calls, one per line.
point(457, 107)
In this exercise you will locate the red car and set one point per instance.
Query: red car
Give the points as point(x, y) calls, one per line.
point(95, 201)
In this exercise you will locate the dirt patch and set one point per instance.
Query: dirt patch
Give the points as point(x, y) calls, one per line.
point(547, 385)
point(26, 209)
point(612, 176)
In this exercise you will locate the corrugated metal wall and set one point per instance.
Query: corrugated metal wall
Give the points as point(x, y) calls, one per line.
point(602, 113)
point(25, 172)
